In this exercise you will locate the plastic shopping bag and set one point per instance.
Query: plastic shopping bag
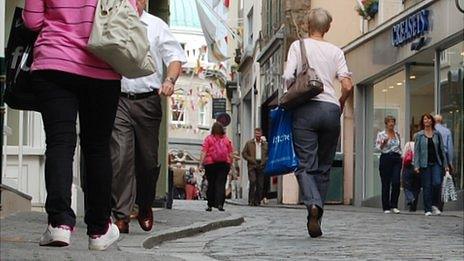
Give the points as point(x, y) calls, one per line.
point(448, 190)
point(281, 158)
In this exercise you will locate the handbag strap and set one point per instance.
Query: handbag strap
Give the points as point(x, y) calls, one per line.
point(304, 56)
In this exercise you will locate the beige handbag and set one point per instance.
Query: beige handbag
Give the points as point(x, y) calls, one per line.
point(307, 85)
point(119, 38)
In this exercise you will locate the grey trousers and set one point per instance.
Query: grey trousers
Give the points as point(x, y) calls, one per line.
point(316, 129)
point(134, 154)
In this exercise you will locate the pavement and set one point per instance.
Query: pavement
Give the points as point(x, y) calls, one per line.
point(279, 233)
point(346, 208)
point(270, 232)
point(20, 234)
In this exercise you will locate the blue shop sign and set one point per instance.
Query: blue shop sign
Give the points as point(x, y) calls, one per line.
point(410, 28)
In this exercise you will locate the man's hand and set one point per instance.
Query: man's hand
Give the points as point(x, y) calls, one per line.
point(417, 170)
point(167, 88)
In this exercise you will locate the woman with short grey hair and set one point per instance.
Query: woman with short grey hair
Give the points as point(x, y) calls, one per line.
point(388, 142)
point(316, 124)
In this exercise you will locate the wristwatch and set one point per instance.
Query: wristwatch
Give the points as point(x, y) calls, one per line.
point(171, 80)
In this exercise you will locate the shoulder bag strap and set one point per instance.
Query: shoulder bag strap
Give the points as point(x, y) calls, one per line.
point(304, 56)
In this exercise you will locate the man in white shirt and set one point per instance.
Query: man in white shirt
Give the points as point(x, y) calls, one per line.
point(134, 141)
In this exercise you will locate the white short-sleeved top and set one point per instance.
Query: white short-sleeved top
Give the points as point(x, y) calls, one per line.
point(327, 60)
point(163, 47)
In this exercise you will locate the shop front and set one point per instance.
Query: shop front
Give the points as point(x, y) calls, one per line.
point(410, 65)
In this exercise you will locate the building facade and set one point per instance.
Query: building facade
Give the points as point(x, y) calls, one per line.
point(410, 62)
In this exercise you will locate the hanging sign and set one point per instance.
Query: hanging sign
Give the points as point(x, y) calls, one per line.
point(410, 28)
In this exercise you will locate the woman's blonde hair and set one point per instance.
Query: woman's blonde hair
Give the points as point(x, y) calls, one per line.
point(319, 20)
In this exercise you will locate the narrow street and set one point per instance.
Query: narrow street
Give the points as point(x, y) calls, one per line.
point(280, 234)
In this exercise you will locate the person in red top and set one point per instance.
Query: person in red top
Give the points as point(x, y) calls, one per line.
point(216, 157)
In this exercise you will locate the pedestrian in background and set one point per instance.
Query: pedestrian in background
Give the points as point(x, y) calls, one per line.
point(447, 140)
point(411, 180)
point(216, 158)
point(134, 141)
point(255, 153)
point(69, 81)
point(235, 173)
point(316, 124)
point(190, 182)
point(389, 144)
point(430, 160)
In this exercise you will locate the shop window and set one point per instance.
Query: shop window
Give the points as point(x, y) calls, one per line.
point(388, 99)
point(451, 104)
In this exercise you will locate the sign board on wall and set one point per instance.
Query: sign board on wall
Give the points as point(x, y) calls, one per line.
point(410, 28)
point(219, 106)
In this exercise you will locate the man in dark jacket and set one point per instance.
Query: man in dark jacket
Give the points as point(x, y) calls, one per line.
point(255, 153)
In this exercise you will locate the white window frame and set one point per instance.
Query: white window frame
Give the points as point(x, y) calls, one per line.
point(202, 115)
point(177, 97)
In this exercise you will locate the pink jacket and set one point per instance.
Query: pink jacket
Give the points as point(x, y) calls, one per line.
point(207, 148)
point(65, 28)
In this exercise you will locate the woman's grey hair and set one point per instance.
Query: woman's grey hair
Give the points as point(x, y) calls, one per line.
point(319, 20)
point(390, 118)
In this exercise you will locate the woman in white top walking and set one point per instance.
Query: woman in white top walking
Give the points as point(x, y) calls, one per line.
point(316, 124)
point(389, 144)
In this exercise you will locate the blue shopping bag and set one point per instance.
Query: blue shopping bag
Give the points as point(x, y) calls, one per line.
point(281, 154)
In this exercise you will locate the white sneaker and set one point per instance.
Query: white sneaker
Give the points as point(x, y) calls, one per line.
point(436, 211)
point(56, 236)
point(396, 211)
point(102, 242)
point(387, 212)
point(428, 213)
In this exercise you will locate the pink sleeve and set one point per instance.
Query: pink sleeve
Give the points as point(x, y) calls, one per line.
point(33, 14)
point(205, 145)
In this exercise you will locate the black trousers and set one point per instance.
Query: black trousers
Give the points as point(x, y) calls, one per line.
point(61, 97)
point(216, 174)
point(390, 168)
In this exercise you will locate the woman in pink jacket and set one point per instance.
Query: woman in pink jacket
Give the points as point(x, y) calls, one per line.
point(69, 81)
point(216, 157)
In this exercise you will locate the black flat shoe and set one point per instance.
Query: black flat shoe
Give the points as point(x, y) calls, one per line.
point(220, 208)
point(209, 209)
point(314, 223)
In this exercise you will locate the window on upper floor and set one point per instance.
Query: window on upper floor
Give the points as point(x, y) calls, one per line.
point(250, 27)
point(202, 112)
point(178, 109)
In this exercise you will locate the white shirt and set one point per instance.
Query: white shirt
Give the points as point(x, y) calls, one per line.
point(258, 150)
point(163, 47)
point(327, 60)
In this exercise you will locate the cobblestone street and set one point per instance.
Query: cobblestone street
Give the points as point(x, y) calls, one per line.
point(280, 234)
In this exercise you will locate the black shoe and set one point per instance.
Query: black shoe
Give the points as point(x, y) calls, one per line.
point(220, 208)
point(209, 209)
point(314, 222)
